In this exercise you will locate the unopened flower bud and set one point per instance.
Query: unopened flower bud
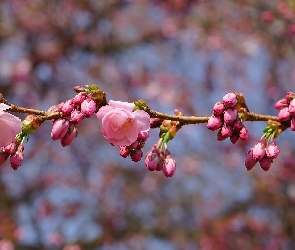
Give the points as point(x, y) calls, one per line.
point(169, 167)
point(124, 151)
point(88, 107)
point(272, 151)
point(152, 159)
point(67, 107)
point(243, 134)
point(218, 108)
point(229, 100)
point(249, 161)
point(226, 130)
point(143, 135)
point(17, 158)
point(214, 122)
point(284, 114)
point(220, 137)
point(136, 155)
point(281, 104)
point(292, 125)
point(234, 138)
point(265, 163)
point(11, 148)
point(291, 107)
point(70, 136)
point(60, 127)
point(76, 116)
point(259, 150)
point(230, 115)
point(78, 99)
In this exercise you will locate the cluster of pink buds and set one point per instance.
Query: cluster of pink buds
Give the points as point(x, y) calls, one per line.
point(265, 150)
point(228, 120)
point(160, 159)
point(135, 149)
point(286, 106)
point(83, 105)
point(15, 151)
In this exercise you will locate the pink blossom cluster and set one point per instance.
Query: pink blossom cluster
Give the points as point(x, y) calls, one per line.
point(122, 124)
point(263, 152)
point(286, 106)
point(225, 118)
point(134, 150)
point(74, 111)
point(160, 159)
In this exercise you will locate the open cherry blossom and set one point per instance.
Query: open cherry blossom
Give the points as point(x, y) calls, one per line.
point(120, 124)
point(10, 126)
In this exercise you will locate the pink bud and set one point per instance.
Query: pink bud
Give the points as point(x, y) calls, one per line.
point(17, 158)
point(234, 138)
point(133, 145)
point(136, 155)
point(290, 96)
point(88, 107)
point(229, 100)
point(265, 163)
point(169, 167)
point(226, 130)
point(281, 104)
point(220, 137)
point(284, 114)
point(79, 98)
point(67, 107)
point(292, 126)
point(214, 122)
point(230, 115)
point(60, 127)
point(11, 148)
point(155, 122)
point(244, 135)
point(259, 150)
point(69, 137)
point(218, 108)
point(272, 151)
point(143, 135)
point(291, 107)
point(238, 125)
point(76, 116)
point(152, 160)
point(124, 151)
point(249, 161)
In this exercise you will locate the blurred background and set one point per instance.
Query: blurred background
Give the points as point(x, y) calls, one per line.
point(180, 54)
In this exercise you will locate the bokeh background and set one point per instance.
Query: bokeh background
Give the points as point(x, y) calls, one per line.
point(180, 54)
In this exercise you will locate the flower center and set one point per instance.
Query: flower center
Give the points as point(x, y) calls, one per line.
point(126, 124)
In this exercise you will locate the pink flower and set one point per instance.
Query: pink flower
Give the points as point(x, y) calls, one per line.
point(10, 126)
point(120, 125)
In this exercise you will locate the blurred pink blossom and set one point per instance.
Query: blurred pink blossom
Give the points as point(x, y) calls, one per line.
point(10, 126)
point(120, 125)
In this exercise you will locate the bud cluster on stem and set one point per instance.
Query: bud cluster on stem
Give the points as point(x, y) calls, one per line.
point(226, 118)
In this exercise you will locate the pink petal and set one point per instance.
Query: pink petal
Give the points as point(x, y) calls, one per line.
point(6, 134)
point(132, 133)
point(14, 123)
point(123, 105)
point(4, 106)
point(103, 111)
point(143, 120)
